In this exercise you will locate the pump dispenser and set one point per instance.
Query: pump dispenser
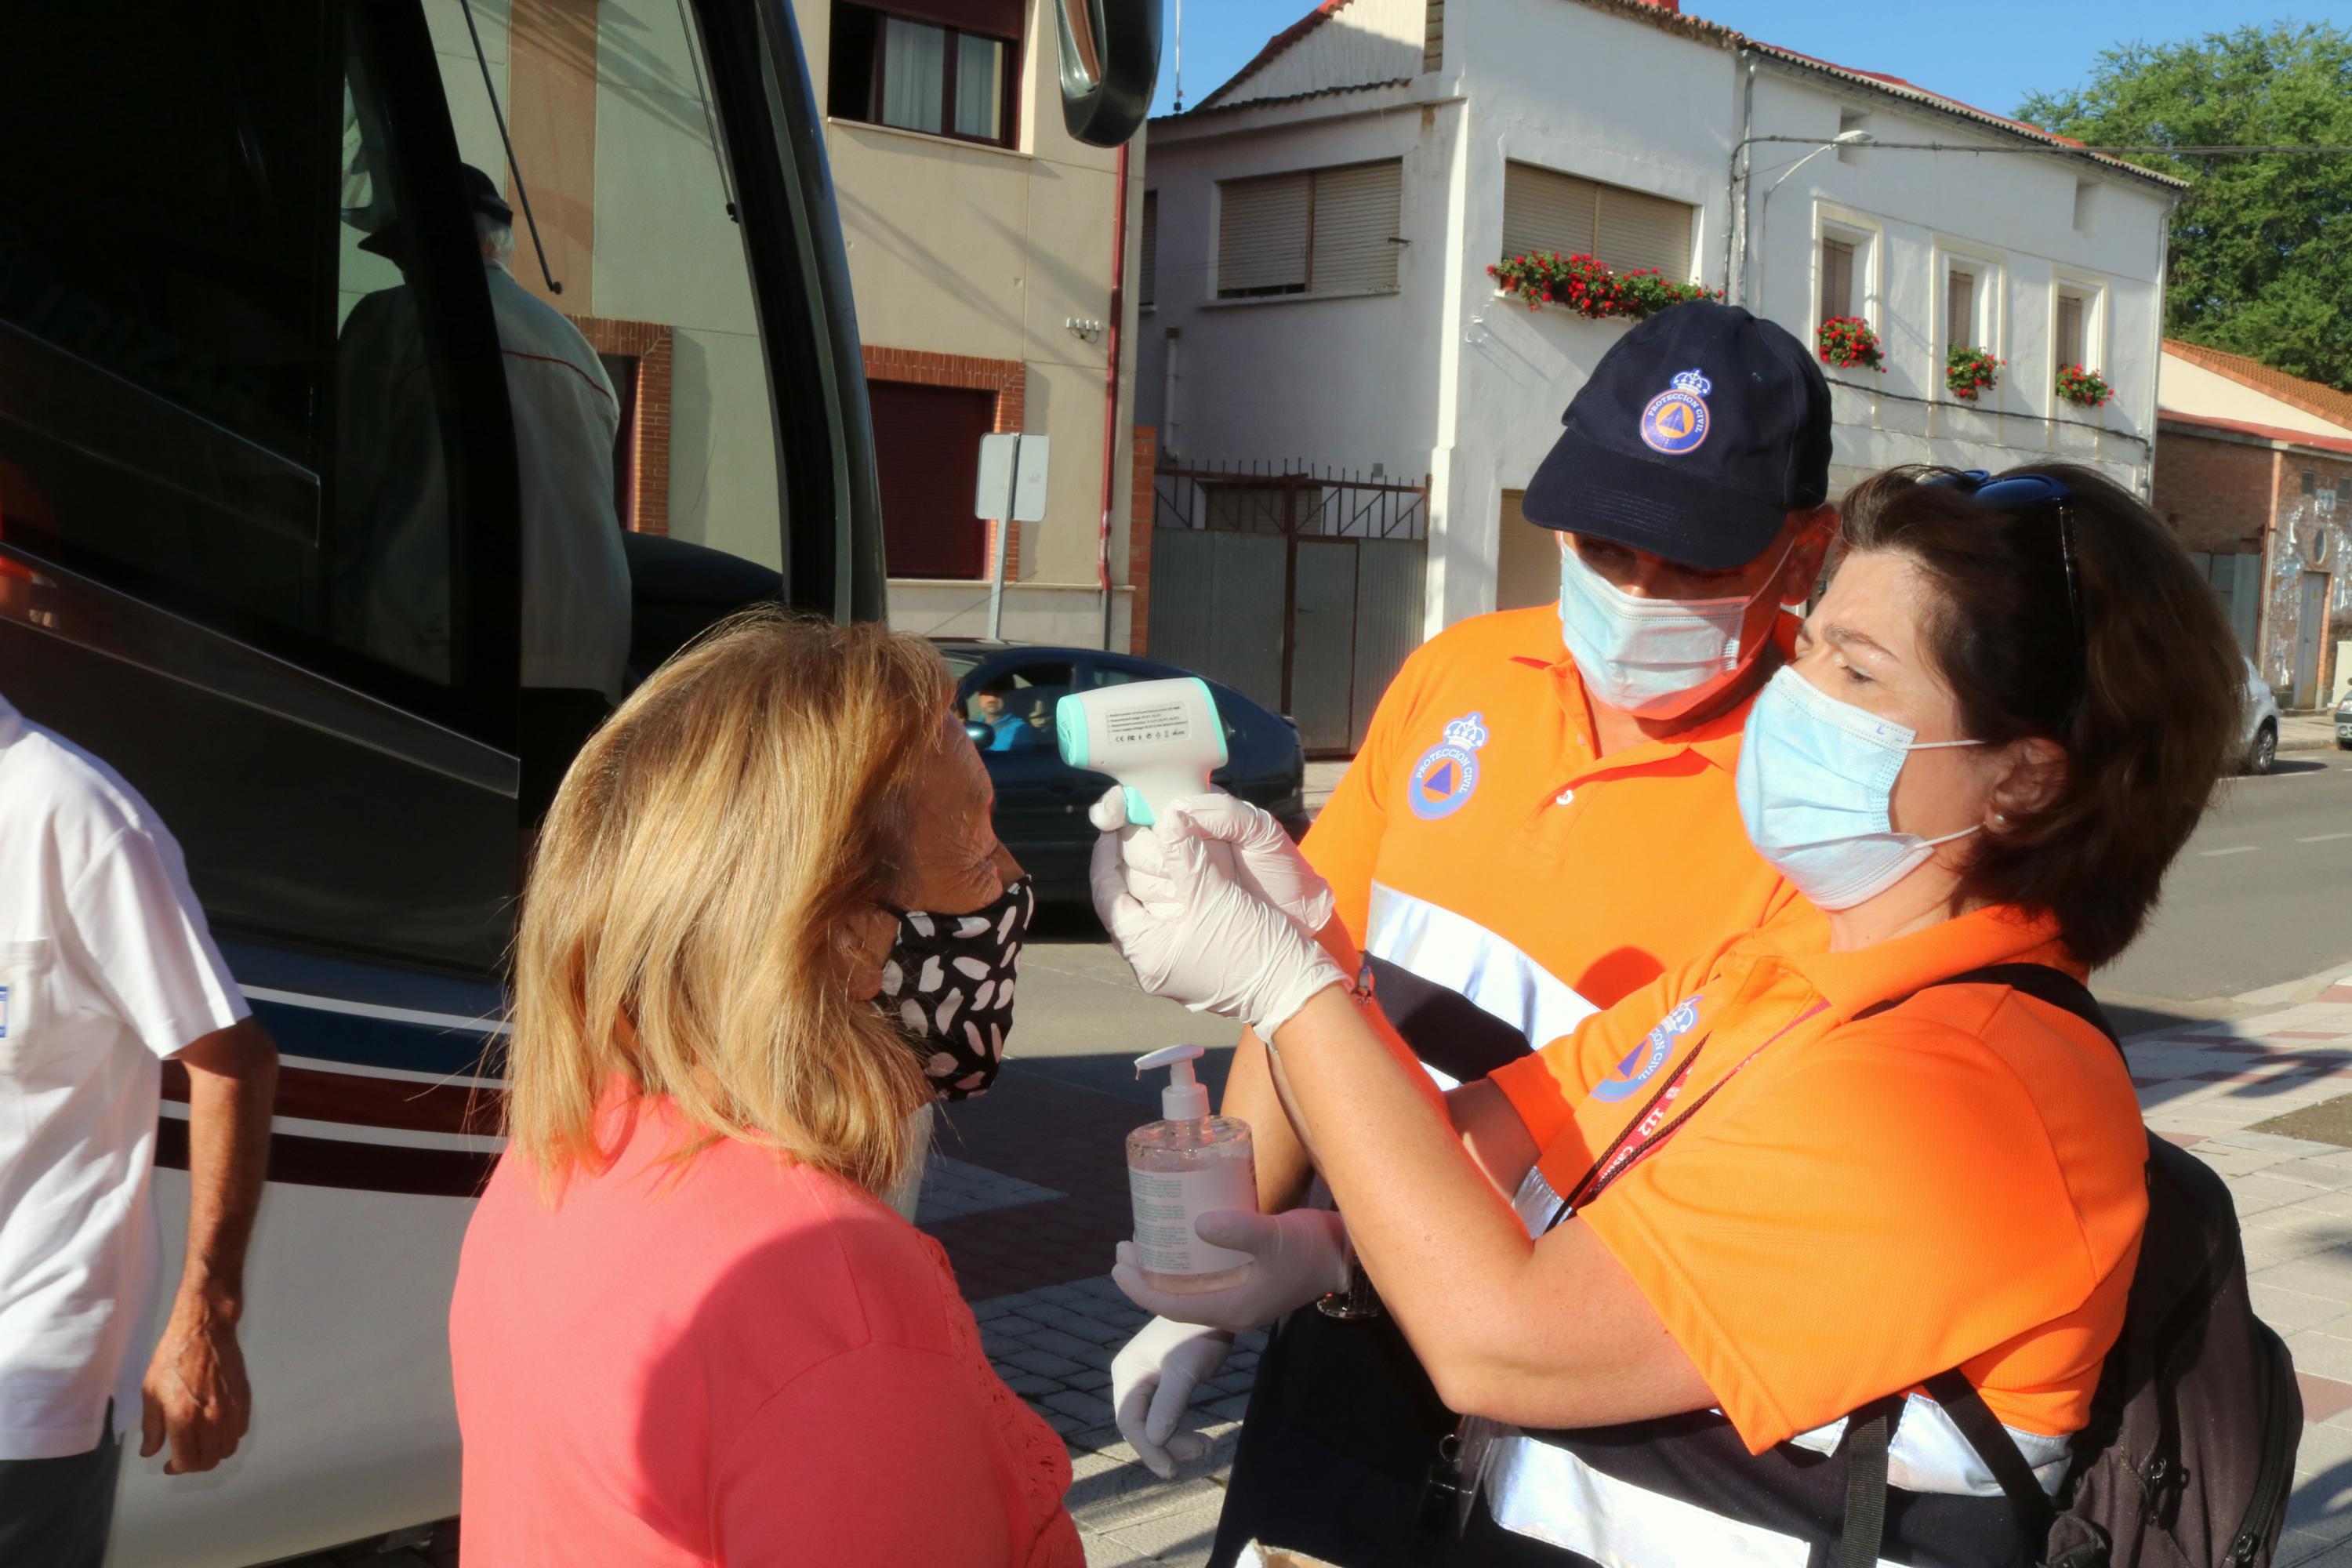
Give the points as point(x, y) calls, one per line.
point(1181, 1167)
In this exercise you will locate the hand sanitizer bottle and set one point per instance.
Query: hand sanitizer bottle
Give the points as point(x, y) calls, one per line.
point(1179, 1168)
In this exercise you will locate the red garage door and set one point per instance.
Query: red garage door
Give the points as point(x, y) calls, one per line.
point(927, 442)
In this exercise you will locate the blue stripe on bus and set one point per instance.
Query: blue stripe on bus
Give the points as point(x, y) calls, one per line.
point(380, 1042)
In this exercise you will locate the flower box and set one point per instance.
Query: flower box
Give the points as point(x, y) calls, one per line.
point(1847, 342)
point(2083, 388)
point(1581, 284)
point(1967, 371)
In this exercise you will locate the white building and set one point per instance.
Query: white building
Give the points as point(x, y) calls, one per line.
point(1321, 226)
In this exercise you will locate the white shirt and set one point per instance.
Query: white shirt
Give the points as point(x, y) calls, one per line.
point(106, 968)
point(392, 591)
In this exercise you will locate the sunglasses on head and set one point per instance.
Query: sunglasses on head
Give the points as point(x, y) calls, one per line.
point(2025, 490)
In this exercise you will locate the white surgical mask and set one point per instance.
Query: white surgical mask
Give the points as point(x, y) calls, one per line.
point(1815, 775)
point(1652, 658)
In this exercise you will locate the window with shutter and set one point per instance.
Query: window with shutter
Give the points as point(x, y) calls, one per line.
point(927, 450)
point(1262, 235)
point(1837, 278)
point(1640, 232)
point(1526, 559)
point(2066, 333)
point(1351, 240)
point(1545, 210)
point(1959, 308)
point(1148, 264)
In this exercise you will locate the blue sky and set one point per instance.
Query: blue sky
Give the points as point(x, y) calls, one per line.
point(2005, 48)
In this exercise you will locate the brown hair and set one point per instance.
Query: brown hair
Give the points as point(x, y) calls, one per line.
point(2134, 674)
point(685, 926)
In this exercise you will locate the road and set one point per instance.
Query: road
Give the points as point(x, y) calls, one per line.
point(2260, 901)
point(2259, 904)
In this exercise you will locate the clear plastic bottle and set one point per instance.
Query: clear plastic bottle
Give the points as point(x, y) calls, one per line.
point(1179, 1168)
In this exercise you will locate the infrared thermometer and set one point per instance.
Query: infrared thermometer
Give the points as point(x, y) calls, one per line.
point(1159, 739)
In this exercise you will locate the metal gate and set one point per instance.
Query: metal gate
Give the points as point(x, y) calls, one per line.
point(1301, 588)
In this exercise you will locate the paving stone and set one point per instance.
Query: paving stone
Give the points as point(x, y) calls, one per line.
point(1059, 1343)
point(1090, 1381)
point(2324, 1398)
point(1119, 1510)
point(1097, 1357)
point(2322, 1450)
point(1043, 1362)
point(1062, 1425)
point(996, 1307)
point(1231, 1409)
point(1088, 1409)
point(1176, 1540)
point(2290, 1311)
point(1029, 1385)
point(1102, 1552)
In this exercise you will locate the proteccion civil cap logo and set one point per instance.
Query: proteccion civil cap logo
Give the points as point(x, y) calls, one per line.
point(1675, 421)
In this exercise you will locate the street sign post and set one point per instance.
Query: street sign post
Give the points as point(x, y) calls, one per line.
point(1012, 490)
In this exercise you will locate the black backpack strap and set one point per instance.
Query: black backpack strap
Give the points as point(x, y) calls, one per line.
point(1995, 1447)
point(2039, 981)
point(1867, 1433)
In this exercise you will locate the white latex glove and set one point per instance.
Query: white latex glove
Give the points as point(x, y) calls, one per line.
point(1266, 864)
point(1151, 1383)
point(1301, 1256)
point(1209, 944)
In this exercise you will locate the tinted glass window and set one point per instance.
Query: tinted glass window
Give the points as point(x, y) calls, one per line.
point(194, 345)
point(1017, 704)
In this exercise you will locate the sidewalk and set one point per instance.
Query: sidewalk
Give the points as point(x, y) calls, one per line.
point(2297, 733)
point(1028, 1197)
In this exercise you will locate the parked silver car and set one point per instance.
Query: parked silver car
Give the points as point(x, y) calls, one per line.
point(2344, 723)
point(2262, 723)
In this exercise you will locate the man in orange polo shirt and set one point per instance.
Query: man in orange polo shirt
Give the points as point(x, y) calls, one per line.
point(1541, 821)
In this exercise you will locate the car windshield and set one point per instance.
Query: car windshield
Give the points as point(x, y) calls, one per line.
point(960, 662)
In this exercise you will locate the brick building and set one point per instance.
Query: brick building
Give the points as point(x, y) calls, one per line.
point(2254, 468)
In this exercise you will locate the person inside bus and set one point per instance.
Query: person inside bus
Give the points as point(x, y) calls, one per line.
point(767, 920)
point(393, 568)
point(1783, 1185)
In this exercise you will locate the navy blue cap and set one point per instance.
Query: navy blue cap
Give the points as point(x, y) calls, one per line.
point(1698, 432)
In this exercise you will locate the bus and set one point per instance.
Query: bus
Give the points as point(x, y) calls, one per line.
point(200, 201)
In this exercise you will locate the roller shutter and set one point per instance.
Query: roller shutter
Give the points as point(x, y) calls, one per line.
point(1352, 243)
point(1262, 235)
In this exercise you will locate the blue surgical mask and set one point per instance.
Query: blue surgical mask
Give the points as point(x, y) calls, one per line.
point(1652, 657)
point(1815, 775)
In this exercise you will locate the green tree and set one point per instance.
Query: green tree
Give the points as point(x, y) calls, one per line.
point(2262, 245)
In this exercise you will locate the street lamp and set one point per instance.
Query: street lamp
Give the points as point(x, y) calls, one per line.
point(1755, 281)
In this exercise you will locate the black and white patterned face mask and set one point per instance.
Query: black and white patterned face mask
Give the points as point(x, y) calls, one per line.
point(948, 979)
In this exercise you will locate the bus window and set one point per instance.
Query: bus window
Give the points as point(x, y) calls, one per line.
point(612, 128)
point(177, 272)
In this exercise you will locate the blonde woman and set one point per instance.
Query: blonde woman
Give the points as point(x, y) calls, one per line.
point(769, 920)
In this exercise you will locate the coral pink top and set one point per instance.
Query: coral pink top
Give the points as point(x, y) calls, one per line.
point(746, 1363)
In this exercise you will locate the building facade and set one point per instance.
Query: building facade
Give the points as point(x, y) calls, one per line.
point(980, 239)
point(1323, 225)
point(2254, 472)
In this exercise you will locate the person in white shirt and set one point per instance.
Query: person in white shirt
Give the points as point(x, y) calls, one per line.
point(106, 971)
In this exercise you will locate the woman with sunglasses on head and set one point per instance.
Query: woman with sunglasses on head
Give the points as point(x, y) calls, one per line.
point(1784, 1188)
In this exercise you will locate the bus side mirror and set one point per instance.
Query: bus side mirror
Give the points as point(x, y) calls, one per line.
point(1111, 63)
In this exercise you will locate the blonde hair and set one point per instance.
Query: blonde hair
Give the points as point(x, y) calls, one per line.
point(685, 928)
